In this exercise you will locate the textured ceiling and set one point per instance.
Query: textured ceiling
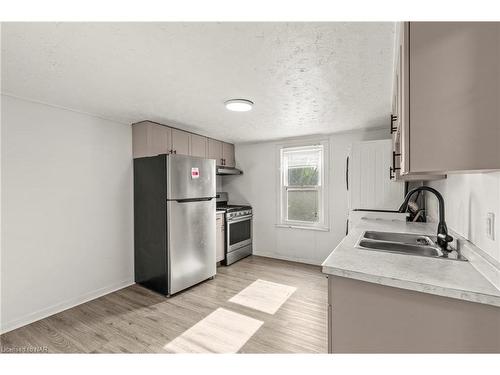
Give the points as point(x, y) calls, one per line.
point(305, 78)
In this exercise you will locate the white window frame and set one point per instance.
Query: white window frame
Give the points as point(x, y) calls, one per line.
point(323, 190)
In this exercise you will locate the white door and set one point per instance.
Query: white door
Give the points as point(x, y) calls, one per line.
point(369, 184)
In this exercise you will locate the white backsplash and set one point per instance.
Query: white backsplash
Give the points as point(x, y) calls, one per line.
point(468, 199)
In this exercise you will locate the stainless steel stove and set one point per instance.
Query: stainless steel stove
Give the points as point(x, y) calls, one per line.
point(238, 220)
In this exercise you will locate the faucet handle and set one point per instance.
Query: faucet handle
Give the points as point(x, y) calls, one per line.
point(445, 237)
point(443, 240)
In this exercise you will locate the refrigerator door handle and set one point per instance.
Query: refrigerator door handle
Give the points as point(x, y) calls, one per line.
point(347, 173)
point(187, 200)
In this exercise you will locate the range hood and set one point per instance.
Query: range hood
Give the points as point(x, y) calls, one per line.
point(226, 171)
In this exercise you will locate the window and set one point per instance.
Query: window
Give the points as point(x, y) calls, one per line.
point(302, 186)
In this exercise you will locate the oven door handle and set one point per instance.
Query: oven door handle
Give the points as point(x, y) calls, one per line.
point(243, 218)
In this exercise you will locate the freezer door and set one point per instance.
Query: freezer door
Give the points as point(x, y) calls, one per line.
point(191, 243)
point(190, 177)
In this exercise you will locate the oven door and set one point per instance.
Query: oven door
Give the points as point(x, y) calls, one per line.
point(238, 232)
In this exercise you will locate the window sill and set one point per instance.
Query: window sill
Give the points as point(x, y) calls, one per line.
point(304, 227)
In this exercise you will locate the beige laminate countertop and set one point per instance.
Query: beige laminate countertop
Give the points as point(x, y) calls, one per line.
point(442, 277)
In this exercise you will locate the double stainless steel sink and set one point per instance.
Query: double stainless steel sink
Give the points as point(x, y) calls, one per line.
point(406, 243)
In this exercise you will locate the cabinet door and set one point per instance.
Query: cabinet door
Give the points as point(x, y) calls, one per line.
point(159, 139)
point(228, 154)
point(455, 96)
point(198, 145)
point(180, 142)
point(219, 256)
point(215, 150)
point(140, 140)
point(150, 139)
point(395, 171)
point(401, 138)
point(330, 315)
point(403, 100)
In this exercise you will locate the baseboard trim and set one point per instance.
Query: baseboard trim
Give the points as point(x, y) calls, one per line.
point(65, 305)
point(281, 257)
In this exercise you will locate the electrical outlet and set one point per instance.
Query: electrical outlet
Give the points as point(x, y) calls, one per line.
point(490, 225)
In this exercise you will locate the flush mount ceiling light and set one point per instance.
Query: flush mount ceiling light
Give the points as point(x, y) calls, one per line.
point(238, 105)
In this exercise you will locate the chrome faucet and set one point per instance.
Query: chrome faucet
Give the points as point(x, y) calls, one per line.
point(443, 238)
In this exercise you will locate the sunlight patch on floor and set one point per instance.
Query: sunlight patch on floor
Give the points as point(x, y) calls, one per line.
point(264, 296)
point(222, 331)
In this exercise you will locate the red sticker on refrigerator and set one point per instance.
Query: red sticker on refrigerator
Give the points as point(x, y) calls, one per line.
point(195, 173)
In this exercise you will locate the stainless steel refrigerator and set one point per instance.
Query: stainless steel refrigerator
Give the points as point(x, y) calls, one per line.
point(174, 222)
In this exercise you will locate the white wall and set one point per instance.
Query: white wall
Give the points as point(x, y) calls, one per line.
point(67, 209)
point(257, 186)
point(468, 198)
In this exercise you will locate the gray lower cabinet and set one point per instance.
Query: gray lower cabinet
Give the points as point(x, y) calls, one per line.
point(220, 238)
point(370, 318)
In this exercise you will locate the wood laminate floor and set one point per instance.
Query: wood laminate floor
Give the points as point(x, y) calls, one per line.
point(137, 320)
